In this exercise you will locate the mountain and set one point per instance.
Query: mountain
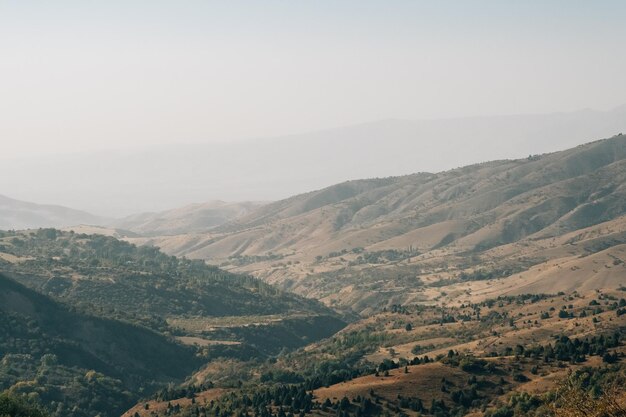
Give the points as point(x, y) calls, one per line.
point(15, 214)
point(119, 183)
point(76, 364)
point(223, 313)
point(193, 218)
point(382, 236)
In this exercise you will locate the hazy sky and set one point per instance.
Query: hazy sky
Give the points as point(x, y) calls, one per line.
point(84, 75)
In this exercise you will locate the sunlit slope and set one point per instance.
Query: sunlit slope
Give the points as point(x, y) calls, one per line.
point(360, 243)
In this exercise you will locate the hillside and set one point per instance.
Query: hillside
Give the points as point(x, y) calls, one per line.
point(15, 214)
point(339, 242)
point(193, 218)
point(505, 355)
point(55, 354)
point(220, 312)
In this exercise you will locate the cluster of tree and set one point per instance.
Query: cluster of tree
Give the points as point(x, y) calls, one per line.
point(589, 392)
point(241, 260)
point(384, 256)
point(13, 406)
point(53, 355)
point(388, 364)
point(478, 275)
point(186, 391)
point(569, 349)
point(520, 299)
point(484, 275)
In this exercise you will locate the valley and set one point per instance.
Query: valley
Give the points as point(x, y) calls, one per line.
point(481, 291)
point(312, 209)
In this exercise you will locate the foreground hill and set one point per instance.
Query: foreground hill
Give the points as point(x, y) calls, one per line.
point(77, 364)
point(15, 214)
point(363, 237)
point(506, 356)
point(203, 305)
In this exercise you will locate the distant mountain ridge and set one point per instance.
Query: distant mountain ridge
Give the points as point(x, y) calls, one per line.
point(193, 218)
point(15, 214)
point(119, 183)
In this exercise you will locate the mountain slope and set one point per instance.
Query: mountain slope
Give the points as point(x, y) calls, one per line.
point(193, 218)
point(339, 236)
point(198, 302)
point(64, 356)
point(486, 204)
point(15, 214)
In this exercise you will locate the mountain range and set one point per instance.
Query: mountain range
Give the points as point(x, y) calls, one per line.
point(125, 182)
point(194, 218)
point(15, 214)
point(348, 237)
point(347, 298)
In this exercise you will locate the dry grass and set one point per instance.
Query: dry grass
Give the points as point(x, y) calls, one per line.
point(161, 406)
point(422, 381)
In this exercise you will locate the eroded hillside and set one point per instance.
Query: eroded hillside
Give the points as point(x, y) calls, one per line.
point(363, 244)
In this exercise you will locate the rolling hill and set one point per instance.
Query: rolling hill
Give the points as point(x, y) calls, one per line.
point(16, 215)
point(194, 218)
point(349, 242)
point(77, 364)
point(221, 313)
point(503, 356)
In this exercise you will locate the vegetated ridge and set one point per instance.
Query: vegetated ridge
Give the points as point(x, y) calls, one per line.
point(198, 303)
point(77, 364)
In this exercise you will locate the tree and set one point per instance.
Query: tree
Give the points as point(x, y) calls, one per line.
point(573, 400)
point(16, 407)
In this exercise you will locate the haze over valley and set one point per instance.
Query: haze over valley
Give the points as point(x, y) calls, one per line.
point(312, 209)
point(148, 179)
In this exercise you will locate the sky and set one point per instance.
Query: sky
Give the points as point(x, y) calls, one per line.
point(84, 75)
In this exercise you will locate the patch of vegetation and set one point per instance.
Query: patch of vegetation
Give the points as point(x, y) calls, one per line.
point(79, 365)
point(384, 256)
point(112, 278)
point(13, 406)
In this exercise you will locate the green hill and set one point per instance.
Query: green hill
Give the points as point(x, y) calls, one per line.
point(113, 278)
point(53, 353)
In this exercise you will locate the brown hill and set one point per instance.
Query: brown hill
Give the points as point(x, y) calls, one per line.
point(193, 218)
point(349, 242)
point(16, 214)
